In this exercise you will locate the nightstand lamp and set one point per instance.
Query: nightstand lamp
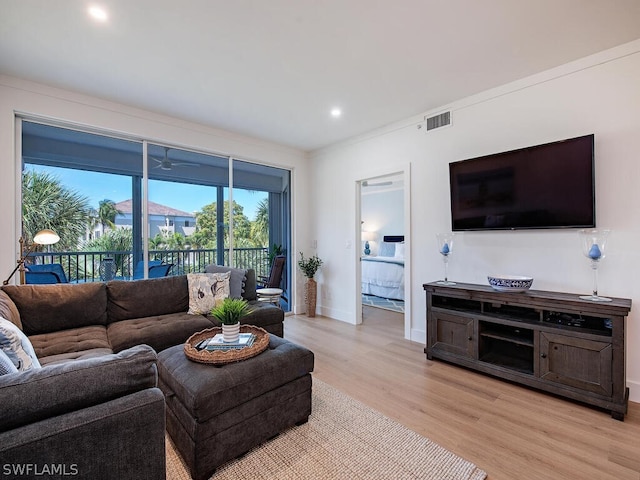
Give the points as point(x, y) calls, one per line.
point(368, 237)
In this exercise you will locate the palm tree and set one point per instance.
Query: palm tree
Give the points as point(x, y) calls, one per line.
point(107, 213)
point(46, 203)
point(260, 226)
point(119, 240)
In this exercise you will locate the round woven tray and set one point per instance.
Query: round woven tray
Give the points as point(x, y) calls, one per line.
point(220, 357)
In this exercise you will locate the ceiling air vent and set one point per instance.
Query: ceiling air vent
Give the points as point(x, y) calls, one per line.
point(438, 121)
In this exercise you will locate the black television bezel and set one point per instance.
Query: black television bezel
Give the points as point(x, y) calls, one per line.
point(539, 227)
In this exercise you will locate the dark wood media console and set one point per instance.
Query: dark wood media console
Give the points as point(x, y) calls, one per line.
point(551, 341)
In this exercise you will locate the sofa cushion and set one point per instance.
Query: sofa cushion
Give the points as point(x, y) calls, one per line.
point(250, 286)
point(49, 308)
point(9, 310)
point(69, 341)
point(28, 397)
point(207, 290)
point(146, 298)
point(236, 281)
point(71, 356)
point(159, 331)
point(17, 346)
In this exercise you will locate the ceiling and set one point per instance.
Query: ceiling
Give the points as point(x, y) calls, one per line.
point(274, 69)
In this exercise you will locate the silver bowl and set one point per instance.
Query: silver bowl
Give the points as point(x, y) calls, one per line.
point(510, 283)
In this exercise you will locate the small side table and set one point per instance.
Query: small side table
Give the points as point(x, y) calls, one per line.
point(269, 295)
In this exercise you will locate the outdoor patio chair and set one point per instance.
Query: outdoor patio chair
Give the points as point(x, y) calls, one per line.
point(138, 272)
point(47, 273)
point(275, 277)
point(157, 271)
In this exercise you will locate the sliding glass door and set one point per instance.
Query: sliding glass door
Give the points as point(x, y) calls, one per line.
point(74, 183)
point(187, 225)
point(115, 214)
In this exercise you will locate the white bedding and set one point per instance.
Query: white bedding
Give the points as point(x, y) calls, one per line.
point(383, 277)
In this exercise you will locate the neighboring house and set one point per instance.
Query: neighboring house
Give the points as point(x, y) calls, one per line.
point(162, 219)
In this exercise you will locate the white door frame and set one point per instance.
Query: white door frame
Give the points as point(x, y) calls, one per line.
point(405, 170)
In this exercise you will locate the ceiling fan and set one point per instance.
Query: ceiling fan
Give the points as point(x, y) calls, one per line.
point(166, 164)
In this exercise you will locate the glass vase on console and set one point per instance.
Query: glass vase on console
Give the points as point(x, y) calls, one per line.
point(445, 248)
point(593, 243)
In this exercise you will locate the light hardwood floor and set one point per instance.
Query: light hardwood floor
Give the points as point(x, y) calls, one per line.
point(509, 431)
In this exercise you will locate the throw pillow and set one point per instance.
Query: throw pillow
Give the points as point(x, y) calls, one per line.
point(6, 365)
point(237, 280)
point(387, 249)
point(206, 290)
point(399, 250)
point(17, 346)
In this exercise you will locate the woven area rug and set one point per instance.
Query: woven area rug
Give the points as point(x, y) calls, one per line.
point(344, 439)
point(385, 303)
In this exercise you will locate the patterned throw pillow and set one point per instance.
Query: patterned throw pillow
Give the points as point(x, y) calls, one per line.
point(6, 365)
point(17, 346)
point(206, 290)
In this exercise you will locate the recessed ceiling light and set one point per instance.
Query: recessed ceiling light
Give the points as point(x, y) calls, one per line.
point(98, 13)
point(336, 112)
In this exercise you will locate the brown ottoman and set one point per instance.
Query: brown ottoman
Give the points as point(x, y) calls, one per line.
point(215, 414)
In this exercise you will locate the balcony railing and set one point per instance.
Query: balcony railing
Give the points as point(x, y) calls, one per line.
point(85, 266)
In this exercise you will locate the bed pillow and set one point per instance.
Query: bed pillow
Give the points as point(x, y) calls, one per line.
point(399, 250)
point(17, 346)
point(206, 290)
point(387, 249)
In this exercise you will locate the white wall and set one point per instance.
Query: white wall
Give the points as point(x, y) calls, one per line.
point(599, 95)
point(383, 213)
point(23, 97)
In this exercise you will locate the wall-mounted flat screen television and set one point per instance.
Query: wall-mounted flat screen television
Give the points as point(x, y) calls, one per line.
point(544, 186)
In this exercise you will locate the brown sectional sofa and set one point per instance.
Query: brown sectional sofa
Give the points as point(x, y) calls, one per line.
point(76, 321)
point(96, 395)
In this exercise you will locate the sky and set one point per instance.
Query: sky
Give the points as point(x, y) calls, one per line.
point(188, 198)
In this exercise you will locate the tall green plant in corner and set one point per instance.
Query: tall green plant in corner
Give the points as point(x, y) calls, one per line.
point(309, 267)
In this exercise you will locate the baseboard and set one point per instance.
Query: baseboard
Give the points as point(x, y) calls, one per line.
point(634, 391)
point(419, 336)
point(336, 314)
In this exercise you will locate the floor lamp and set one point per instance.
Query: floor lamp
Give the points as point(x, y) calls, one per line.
point(43, 237)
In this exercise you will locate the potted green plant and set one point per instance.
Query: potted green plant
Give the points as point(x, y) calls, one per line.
point(309, 267)
point(229, 312)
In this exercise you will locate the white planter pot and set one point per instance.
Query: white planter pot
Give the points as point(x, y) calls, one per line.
point(231, 333)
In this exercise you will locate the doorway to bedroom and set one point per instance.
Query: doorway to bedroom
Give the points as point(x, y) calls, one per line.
point(383, 249)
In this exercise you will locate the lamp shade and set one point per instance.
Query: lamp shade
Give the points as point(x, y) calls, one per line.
point(369, 236)
point(46, 237)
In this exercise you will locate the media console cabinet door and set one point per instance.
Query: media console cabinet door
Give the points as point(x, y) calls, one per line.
point(452, 334)
point(577, 362)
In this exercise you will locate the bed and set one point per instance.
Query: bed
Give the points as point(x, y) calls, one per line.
point(383, 274)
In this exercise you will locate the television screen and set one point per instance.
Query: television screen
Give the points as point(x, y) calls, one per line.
point(544, 186)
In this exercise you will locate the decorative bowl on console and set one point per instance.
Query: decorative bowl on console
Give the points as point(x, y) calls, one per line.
point(510, 283)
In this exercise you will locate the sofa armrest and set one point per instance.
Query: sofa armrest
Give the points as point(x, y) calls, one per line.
point(123, 438)
point(57, 389)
